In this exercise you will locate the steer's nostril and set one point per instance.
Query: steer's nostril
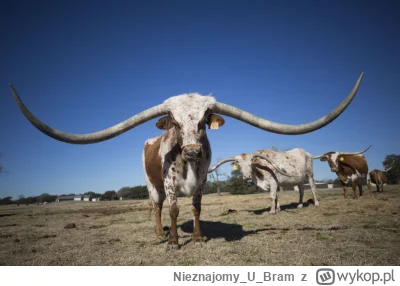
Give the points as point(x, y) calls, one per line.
point(192, 153)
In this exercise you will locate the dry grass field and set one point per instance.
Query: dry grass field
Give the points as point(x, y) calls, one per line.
point(339, 232)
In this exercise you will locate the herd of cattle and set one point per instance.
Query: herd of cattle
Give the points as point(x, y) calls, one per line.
point(180, 158)
point(270, 169)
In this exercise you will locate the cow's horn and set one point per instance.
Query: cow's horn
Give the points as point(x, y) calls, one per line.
point(95, 137)
point(355, 153)
point(220, 163)
point(319, 156)
point(280, 128)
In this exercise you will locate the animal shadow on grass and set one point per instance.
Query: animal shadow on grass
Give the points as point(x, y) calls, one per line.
point(216, 229)
point(283, 207)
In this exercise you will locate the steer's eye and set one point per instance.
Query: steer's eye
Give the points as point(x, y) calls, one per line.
point(176, 124)
point(201, 125)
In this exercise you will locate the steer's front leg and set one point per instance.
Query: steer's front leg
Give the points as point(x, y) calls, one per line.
point(196, 210)
point(173, 213)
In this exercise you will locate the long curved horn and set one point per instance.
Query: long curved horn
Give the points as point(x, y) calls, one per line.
point(388, 169)
point(355, 153)
point(280, 128)
point(272, 163)
point(95, 137)
point(220, 163)
point(319, 156)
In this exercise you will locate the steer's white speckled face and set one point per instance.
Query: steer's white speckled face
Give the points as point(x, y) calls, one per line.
point(244, 162)
point(189, 114)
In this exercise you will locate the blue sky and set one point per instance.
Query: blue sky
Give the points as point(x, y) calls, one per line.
point(82, 66)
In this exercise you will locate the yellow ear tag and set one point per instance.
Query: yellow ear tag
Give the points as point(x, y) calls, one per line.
point(214, 125)
point(341, 159)
point(234, 167)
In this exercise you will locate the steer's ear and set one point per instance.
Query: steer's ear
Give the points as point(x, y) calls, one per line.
point(164, 123)
point(234, 166)
point(215, 121)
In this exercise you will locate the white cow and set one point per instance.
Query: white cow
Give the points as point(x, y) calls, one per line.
point(270, 169)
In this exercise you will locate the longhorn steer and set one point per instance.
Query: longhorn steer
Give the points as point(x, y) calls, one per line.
point(379, 178)
point(349, 166)
point(270, 169)
point(179, 158)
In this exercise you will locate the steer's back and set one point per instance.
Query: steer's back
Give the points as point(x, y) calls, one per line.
point(378, 177)
point(294, 162)
point(353, 165)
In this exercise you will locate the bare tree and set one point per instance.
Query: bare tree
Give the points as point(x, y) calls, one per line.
point(216, 175)
point(277, 149)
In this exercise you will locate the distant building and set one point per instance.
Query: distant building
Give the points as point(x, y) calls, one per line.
point(69, 198)
point(87, 198)
point(95, 199)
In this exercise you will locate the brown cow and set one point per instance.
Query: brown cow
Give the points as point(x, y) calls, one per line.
point(379, 178)
point(349, 166)
point(178, 159)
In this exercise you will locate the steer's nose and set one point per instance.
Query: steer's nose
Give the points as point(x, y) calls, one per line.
point(192, 152)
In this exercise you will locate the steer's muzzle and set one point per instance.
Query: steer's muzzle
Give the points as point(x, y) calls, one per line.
point(334, 169)
point(247, 178)
point(192, 152)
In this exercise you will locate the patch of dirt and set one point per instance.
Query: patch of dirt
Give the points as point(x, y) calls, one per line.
point(49, 236)
point(111, 241)
point(4, 215)
point(9, 225)
point(228, 211)
point(320, 228)
point(70, 225)
point(97, 226)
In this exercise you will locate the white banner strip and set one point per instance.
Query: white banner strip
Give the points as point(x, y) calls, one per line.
point(199, 275)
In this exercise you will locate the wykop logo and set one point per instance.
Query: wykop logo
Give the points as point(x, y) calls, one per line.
point(325, 276)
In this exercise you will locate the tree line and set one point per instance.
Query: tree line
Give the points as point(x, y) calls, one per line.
point(232, 183)
point(137, 192)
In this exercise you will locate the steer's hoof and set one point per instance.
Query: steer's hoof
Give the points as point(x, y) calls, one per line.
point(272, 212)
point(316, 203)
point(300, 206)
point(199, 240)
point(172, 246)
point(162, 238)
